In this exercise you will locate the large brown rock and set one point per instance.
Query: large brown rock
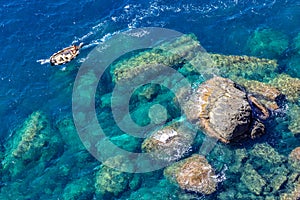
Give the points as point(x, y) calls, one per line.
point(221, 109)
point(294, 159)
point(193, 174)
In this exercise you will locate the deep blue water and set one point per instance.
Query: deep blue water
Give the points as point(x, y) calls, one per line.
point(33, 30)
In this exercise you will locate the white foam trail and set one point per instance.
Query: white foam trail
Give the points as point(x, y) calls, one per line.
point(43, 61)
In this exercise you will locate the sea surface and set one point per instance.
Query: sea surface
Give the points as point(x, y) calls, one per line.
point(34, 30)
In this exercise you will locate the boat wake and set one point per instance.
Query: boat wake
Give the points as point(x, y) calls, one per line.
point(43, 61)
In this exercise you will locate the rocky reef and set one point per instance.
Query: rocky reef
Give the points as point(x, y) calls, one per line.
point(232, 98)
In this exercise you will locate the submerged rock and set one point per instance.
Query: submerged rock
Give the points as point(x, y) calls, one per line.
point(289, 86)
point(243, 66)
point(79, 189)
point(296, 43)
point(294, 116)
point(110, 181)
point(32, 143)
point(267, 43)
point(193, 174)
point(253, 180)
point(239, 158)
point(69, 134)
point(169, 143)
point(168, 54)
point(221, 109)
point(186, 53)
point(266, 152)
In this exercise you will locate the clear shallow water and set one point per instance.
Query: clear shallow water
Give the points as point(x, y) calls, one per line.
point(34, 30)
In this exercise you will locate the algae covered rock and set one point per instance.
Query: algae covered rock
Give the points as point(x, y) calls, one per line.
point(32, 143)
point(169, 54)
point(253, 180)
point(239, 158)
point(289, 86)
point(110, 181)
point(267, 43)
point(294, 116)
point(69, 134)
point(221, 109)
point(158, 191)
point(170, 143)
point(79, 189)
point(266, 152)
point(249, 67)
point(193, 174)
point(186, 54)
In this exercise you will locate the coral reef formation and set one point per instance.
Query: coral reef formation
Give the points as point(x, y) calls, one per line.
point(193, 174)
point(267, 43)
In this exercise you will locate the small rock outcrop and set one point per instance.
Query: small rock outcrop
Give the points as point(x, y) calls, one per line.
point(169, 143)
point(193, 174)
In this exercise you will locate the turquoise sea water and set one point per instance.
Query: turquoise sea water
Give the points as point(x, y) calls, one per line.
point(35, 30)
